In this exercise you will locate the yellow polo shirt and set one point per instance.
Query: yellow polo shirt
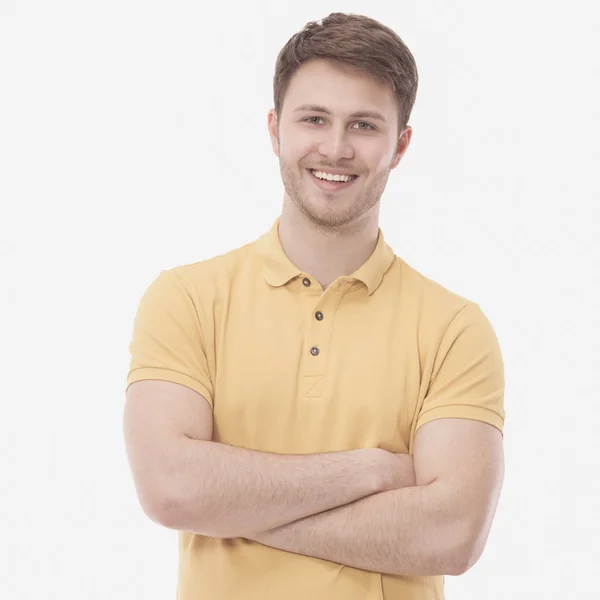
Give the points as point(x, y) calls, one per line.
point(292, 369)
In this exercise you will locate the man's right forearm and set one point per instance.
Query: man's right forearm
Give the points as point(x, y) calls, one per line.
point(226, 491)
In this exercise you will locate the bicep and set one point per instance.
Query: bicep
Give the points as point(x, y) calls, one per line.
point(446, 448)
point(157, 415)
point(464, 458)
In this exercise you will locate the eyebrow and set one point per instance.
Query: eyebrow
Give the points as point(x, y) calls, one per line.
point(361, 114)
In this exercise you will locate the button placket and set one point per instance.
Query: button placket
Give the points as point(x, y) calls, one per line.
point(314, 350)
point(313, 382)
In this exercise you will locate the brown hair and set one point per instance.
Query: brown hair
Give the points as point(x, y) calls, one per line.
point(357, 43)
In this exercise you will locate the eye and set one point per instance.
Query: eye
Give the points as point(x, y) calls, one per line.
point(367, 128)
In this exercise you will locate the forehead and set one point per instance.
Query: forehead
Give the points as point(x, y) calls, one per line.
point(341, 90)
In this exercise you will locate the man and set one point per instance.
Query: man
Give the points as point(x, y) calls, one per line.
point(315, 417)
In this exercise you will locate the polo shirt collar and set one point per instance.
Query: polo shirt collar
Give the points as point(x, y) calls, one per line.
point(278, 269)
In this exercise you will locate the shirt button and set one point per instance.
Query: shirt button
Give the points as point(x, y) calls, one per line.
point(319, 316)
point(306, 281)
point(314, 351)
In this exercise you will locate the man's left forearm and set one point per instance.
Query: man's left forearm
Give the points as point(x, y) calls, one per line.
point(408, 531)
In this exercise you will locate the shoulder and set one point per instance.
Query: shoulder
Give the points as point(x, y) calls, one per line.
point(436, 305)
point(214, 276)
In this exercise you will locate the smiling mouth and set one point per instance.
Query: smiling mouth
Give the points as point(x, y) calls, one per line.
point(331, 185)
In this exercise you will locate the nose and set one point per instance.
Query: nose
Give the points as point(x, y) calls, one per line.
point(335, 144)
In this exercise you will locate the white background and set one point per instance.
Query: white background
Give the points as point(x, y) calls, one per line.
point(133, 138)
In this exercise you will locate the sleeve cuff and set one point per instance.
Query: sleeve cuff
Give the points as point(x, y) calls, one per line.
point(173, 376)
point(477, 413)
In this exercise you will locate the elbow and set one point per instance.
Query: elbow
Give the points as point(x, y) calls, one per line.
point(160, 509)
point(161, 505)
point(461, 564)
point(167, 512)
point(466, 553)
point(174, 513)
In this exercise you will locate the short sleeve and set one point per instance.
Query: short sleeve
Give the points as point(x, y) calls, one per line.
point(167, 341)
point(467, 380)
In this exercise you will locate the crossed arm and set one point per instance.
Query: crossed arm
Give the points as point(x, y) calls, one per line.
point(437, 524)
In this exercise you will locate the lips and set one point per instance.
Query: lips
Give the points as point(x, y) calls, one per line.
point(313, 171)
point(331, 186)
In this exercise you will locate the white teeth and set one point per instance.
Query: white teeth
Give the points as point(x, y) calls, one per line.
point(330, 177)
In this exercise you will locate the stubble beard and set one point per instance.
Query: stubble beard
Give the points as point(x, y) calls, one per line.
point(334, 209)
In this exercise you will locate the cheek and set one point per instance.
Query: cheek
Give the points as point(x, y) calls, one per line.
point(378, 166)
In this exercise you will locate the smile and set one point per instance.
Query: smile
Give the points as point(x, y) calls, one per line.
point(324, 184)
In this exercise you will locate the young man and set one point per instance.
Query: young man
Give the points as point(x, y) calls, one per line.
point(315, 417)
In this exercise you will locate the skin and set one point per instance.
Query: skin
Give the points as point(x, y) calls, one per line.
point(331, 234)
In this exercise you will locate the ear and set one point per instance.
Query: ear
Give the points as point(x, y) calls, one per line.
point(402, 147)
point(272, 123)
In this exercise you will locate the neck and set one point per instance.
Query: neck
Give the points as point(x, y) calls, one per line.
point(327, 252)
